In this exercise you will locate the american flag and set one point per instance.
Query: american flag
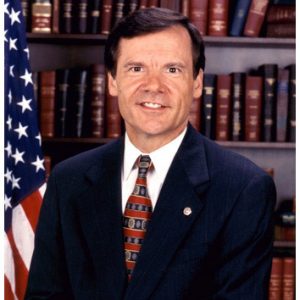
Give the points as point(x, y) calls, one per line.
point(24, 168)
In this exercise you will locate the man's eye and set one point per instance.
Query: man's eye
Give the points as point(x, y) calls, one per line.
point(173, 70)
point(136, 69)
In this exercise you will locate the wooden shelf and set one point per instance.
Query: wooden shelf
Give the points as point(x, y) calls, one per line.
point(284, 244)
point(65, 38)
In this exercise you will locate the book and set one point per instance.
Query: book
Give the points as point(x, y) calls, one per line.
point(218, 17)
point(118, 10)
point(198, 15)
point(113, 117)
point(97, 105)
point(223, 107)
point(55, 15)
point(94, 16)
point(288, 278)
point(67, 16)
point(25, 4)
point(62, 91)
point(185, 8)
point(133, 5)
point(47, 165)
point(238, 87)
point(253, 108)
point(35, 80)
point(239, 17)
point(81, 16)
point(41, 14)
point(292, 104)
point(194, 115)
point(281, 14)
point(282, 104)
point(170, 4)
point(143, 4)
point(275, 285)
point(255, 18)
point(269, 74)
point(106, 16)
point(153, 3)
point(47, 103)
point(284, 30)
point(208, 105)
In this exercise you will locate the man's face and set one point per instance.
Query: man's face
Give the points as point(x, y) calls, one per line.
point(155, 85)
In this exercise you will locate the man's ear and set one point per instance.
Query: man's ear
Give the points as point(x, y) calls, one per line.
point(198, 84)
point(112, 85)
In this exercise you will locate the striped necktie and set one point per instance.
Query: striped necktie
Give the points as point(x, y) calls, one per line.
point(137, 214)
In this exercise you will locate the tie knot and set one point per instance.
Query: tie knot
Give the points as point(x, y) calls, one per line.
point(144, 164)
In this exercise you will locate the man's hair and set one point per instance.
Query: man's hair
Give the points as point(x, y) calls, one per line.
point(151, 20)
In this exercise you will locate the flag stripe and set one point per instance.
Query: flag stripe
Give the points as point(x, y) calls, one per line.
point(8, 293)
point(9, 267)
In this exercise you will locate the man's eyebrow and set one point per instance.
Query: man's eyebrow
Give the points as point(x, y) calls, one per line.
point(133, 63)
point(176, 64)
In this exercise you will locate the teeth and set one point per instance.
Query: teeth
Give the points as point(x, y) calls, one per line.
point(152, 105)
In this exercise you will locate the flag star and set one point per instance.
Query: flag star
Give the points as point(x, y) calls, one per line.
point(38, 137)
point(8, 122)
point(11, 71)
point(8, 175)
point(39, 164)
point(18, 156)
point(14, 16)
point(25, 104)
point(21, 130)
point(27, 52)
point(12, 44)
point(8, 149)
point(27, 77)
point(7, 203)
point(9, 96)
point(6, 8)
point(5, 39)
point(15, 182)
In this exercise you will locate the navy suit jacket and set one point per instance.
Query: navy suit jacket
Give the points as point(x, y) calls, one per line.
point(222, 250)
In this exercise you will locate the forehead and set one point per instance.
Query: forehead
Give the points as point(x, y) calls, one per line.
point(175, 40)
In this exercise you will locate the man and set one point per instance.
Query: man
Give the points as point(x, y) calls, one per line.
point(198, 222)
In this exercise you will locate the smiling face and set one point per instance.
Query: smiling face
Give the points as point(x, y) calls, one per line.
point(155, 86)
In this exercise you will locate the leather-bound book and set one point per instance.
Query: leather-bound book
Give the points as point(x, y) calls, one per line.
point(208, 105)
point(41, 14)
point(153, 3)
point(171, 4)
point(35, 80)
point(94, 16)
point(113, 117)
point(281, 14)
point(133, 5)
point(223, 107)
point(62, 91)
point(292, 104)
point(118, 10)
point(239, 17)
point(255, 18)
point(55, 16)
point(238, 88)
point(253, 108)
point(282, 104)
point(106, 16)
point(198, 14)
point(269, 74)
point(143, 4)
point(185, 7)
point(97, 104)
point(82, 13)
point(47, 103)
point(275, 285)
point(195, 113)
point(284, 30)
point(47, 165)
point(218, 17)
point(67, 16)
point(26, 13)
point(288, 278)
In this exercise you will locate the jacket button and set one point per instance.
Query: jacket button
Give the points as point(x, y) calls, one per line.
point(187, 211)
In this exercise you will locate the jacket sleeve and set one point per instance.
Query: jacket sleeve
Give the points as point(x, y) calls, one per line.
point(48, 276)
point(244, 268)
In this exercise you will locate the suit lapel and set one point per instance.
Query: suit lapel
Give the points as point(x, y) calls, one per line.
point(186, 181)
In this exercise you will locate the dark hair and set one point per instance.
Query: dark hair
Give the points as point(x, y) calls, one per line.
point(150, 20)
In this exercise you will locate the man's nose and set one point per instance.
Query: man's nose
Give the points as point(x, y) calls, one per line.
point(153, 83)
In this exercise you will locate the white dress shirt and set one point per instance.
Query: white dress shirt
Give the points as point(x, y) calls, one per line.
point(161, 160)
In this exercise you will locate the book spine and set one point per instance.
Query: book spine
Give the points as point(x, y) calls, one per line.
point(255, 17)
point(133, 5)
point(41, 17)
point(67, 16)
point(26, 13)
point(288, 288)
point(218, 17)
point(35, 80)
point(113, 117)
point(106, 16)
point(292, 104)
point(281, 14)
point(170, 4)
point(285, 30)
point(153, 3)
point(119, 10)
point(275, 286)
point(237, 106)
point(185, 7)
point(55, 16)
point(143, 4)
point(47, 103)
point(208, 105)
point(269, 73)
point(94, 16)
point(223, 107)
point(194, 115)
point(198, 15)
point(82, 16)
point(47, 165)
point(98, 100)
point(253, 108)
point(282, 105)
point(239, 17)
